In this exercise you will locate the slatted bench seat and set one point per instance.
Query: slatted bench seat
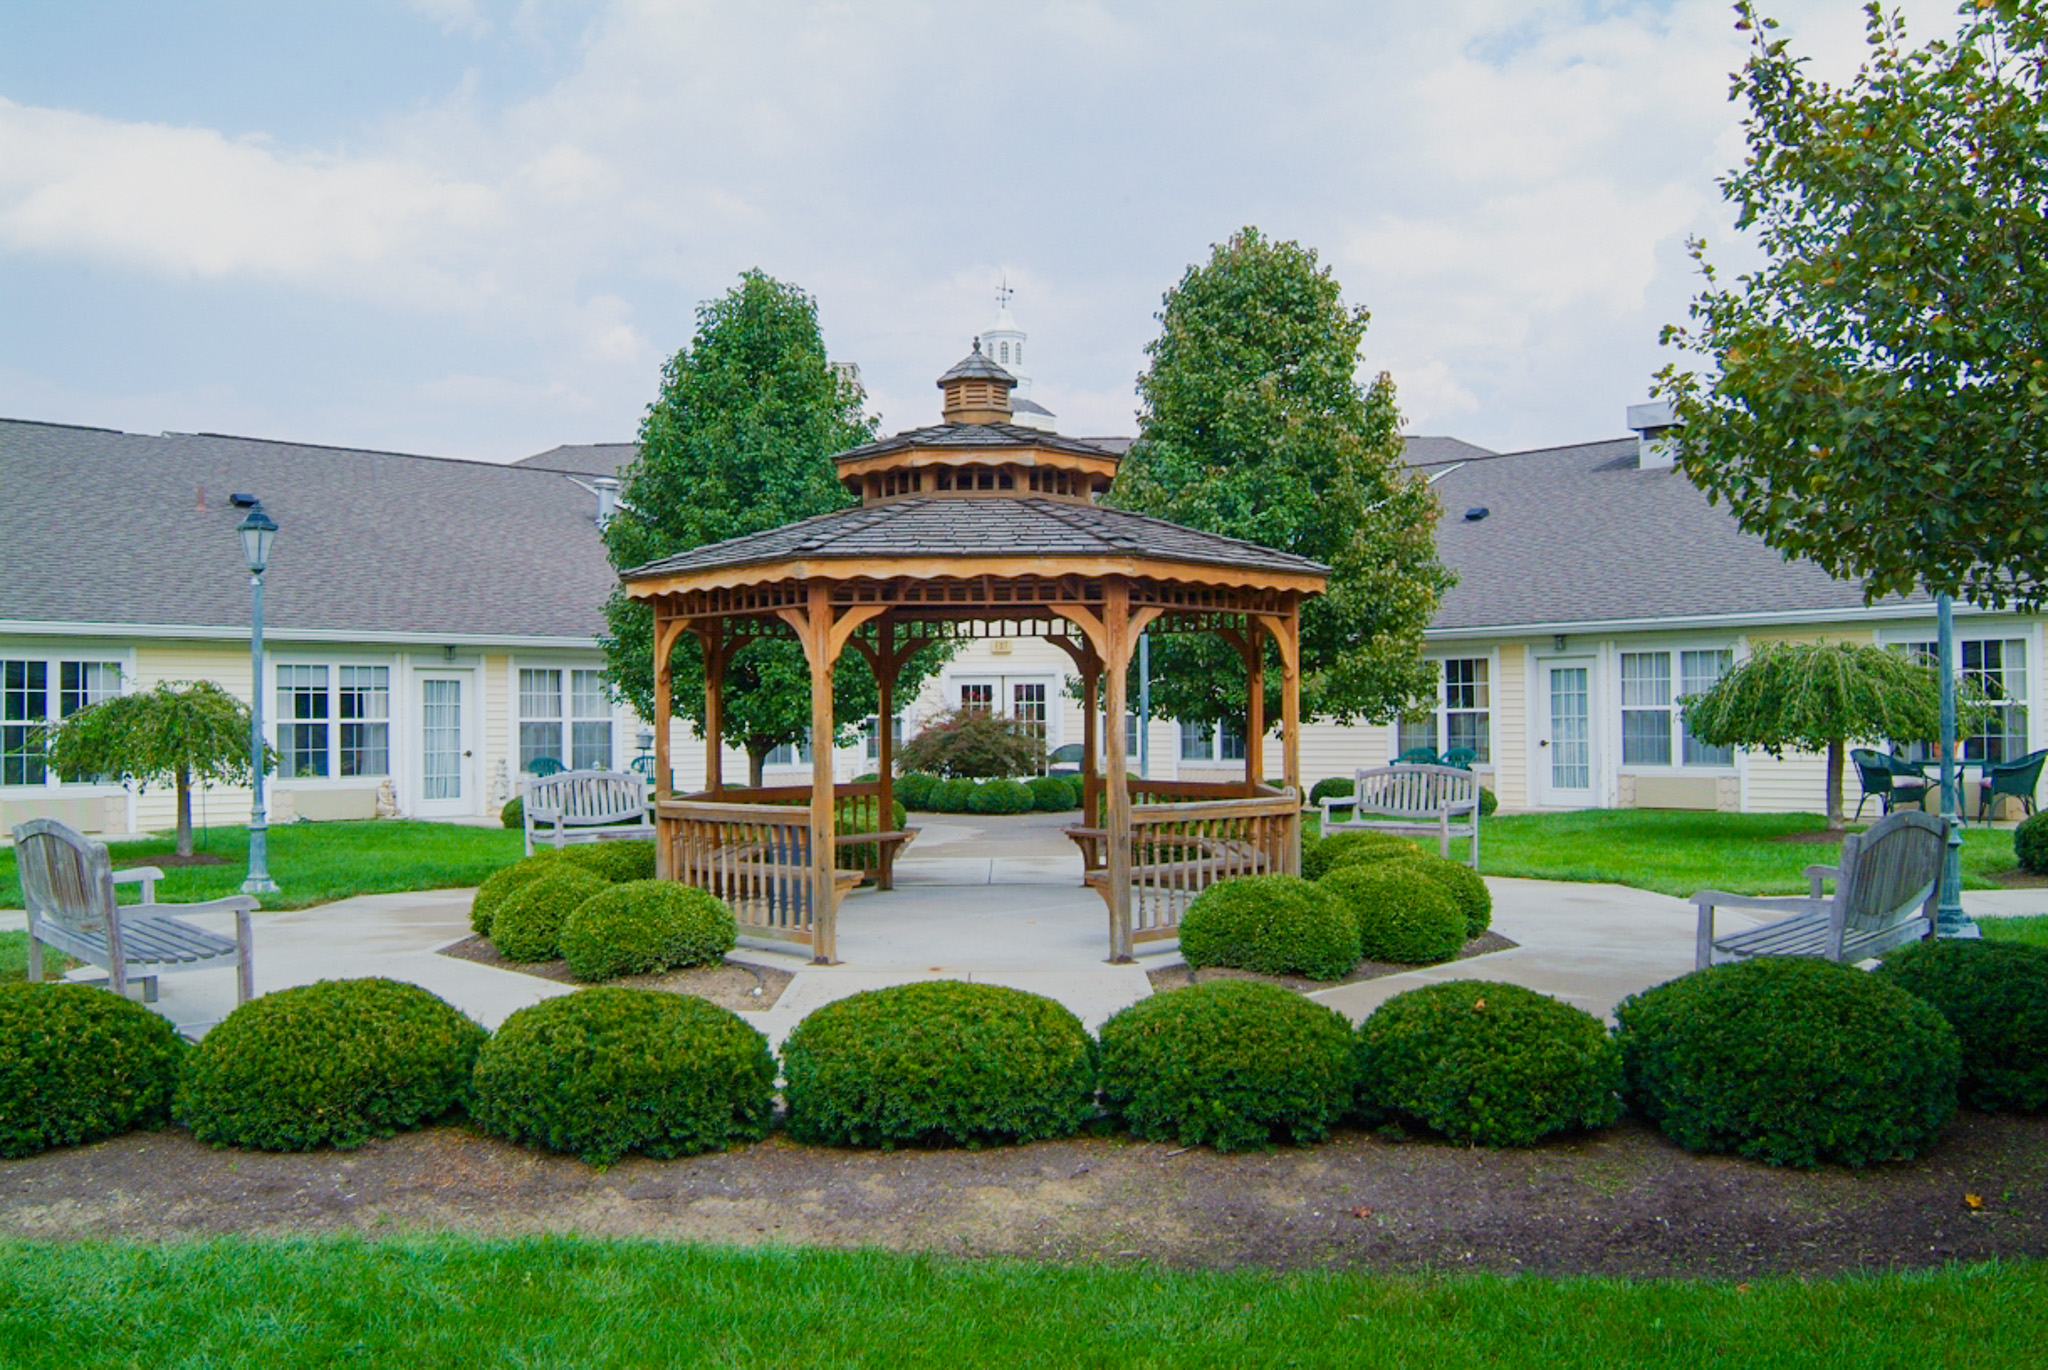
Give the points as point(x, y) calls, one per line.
point(67, 882)
point(887, 845)
point(1421, 801)
point(1886, 893)
point(586, 806)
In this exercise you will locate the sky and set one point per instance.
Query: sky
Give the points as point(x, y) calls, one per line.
point(478, 228)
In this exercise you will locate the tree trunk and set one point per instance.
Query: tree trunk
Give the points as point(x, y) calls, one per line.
point(757, 757)
point(1835, 785)
point(184, 811)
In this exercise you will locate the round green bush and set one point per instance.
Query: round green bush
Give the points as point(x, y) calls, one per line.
point(1053, 793)
point(528, 925)
point(1995, 996)
point(328, 1064)
point(2030, 843)
point(914, 788)
point(513, 815)
point(1274, 924)
point(78, 1064)
point(938, 1061)
point(502, 884)
point(605, 1071)
point(1487, 1063)
point(1790, 1061)
point(1001, 796)
point(1230, 1063)
point(1403, 915)
point(1463, 884)
point(617, 862)
point(1332, 787)
point(1488, 802)
point(953, 796)
point(1325, 854)
point(644, 926)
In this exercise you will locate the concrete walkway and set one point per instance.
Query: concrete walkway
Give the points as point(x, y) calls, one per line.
point(991, 900)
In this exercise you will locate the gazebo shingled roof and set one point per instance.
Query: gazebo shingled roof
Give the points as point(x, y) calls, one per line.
point(971, 522)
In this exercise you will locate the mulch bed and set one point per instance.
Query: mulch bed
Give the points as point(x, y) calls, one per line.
point(1180, 976)
point(1623, 1202)
point(2017, 879)
point(737, 985)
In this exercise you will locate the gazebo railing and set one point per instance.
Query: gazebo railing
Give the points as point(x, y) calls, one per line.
point(1177, 850)
point(754, 856)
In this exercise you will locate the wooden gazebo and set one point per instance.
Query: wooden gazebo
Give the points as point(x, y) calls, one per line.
point(977, 527)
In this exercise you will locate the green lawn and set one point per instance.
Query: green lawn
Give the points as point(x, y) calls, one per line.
point(566, 1302)
point(1677, 853)
point(2032, 929)
point(319, 862)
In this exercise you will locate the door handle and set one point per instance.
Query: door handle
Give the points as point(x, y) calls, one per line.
point(1544, 743)
point(468, 753)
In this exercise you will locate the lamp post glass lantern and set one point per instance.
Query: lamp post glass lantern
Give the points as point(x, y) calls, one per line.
point(257, 532)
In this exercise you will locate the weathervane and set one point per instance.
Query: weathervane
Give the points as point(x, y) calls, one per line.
point(1003, 292)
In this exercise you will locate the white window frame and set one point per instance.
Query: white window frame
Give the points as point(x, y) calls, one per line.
point(1923, 644)
point(567, 702)
point(1438, 720)
point(276, 720)
point(53, 660)
point(1210, 744)
point(1678, 685)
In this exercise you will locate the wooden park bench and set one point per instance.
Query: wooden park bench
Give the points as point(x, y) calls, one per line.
point(1886, 892)
point(586, 806)
point(1416, 800)
point(67, 882)
point(887, 846)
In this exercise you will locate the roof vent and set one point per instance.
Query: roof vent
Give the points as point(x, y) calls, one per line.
point(1476, 513)
point(1654, 425)
point(606, 488)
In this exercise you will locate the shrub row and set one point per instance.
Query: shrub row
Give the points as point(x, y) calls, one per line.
point(1792, 1062)
point(598, 907)
point(1046, 793)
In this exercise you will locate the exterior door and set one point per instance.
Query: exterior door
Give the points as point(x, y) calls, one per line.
point(1563, 766)
point(446, 770)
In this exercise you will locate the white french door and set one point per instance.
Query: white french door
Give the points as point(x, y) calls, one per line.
point(1564, 766)
point(446, 770)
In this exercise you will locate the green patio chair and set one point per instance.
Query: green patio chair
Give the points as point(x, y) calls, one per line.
point(1460, 758)
point(544, 765)
point(1418, 756)
point(2016, 778)
point(1891, 779)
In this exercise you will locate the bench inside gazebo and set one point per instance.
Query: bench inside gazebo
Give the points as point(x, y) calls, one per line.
point(977, 527)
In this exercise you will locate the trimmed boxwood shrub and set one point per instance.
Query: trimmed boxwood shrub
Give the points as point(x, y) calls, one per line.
point(2030, 843)
point(1274, 924)
point(328, 1064)
point(1488, 802)
point(1489, 1063)
point(1053, 793)
point(1230, 1063)
point(513, 815)
point(502, 884)
point(617, 862)
point(914, 788)
point(1995, 995)
point(952, 796)
point(528, 925)
point(646, 925)
point(1331, 788)
point(1790, 1061)
point(605, 1071)
point(1403, 915)
point(78, 1064)
point(938, 1061)
point(1001, 796)
point(1325, 854)
point(1466, 889)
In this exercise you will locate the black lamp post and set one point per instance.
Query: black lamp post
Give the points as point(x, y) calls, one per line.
point(257, 531)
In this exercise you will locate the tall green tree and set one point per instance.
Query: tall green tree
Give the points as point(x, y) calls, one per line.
point(1254, 425)
point(181, 734)
point(1877, 395)
point(1817, 697)
point(740, 440)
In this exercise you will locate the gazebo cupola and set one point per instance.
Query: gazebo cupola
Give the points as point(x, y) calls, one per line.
point(976, 450)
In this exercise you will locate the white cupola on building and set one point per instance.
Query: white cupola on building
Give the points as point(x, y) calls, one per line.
point(1004, 345)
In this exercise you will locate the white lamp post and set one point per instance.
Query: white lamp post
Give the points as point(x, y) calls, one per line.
point(257, 531)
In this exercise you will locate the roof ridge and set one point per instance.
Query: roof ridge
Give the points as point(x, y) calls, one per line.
point(74, 427)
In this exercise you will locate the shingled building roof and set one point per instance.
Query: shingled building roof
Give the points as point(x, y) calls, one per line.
point(984, 526)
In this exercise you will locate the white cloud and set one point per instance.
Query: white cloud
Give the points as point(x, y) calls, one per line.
point(465, 17)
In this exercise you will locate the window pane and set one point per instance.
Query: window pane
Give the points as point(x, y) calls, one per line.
point(1645, 737)
point(1197, 741)
point(591, 748)
point(302, 721)
point(540, 694)
point(1467, 729)
point(86, 683)
point(1697, 672)
point(538, 741)
point(1646, 708)
point(978, 699)
point(1418, 731)
point(363, 702)
point(1645, 679)
point(588, 696)
point(1233, 742)
point(24, 706)
point(1027, 707)
point(1465, 683)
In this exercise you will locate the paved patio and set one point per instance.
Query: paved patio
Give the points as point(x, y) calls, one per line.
point(997, 901)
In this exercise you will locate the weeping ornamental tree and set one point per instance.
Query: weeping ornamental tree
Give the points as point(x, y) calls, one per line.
point(180, 734)
point(740, 440)
point(1814, 697)
point(1254, 425)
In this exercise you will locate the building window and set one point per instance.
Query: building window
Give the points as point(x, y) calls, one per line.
point(874, 737)
point(1463, 713)
point(1027, 707)
point(333, 721)
point(978, 699)
point(1207, 742)
point(550, 698)
point(1653, 731)
point(790, 754)
point(1997, 667)
point(25, 709)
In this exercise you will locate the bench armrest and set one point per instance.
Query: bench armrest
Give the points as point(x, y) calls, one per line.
point(1815, 874)
point(146, 876)
point(1709, 900)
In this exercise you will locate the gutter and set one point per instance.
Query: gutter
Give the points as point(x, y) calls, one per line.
point(240, 633)
point(1911, 609)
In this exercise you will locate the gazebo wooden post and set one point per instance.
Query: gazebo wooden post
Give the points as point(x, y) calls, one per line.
point(1116, 623)
point(885, 666)
point(824, 838)
point(712, 636)
point(1254, 704)
point(666, 631)
point(1091, 748)
point(1286, 630)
